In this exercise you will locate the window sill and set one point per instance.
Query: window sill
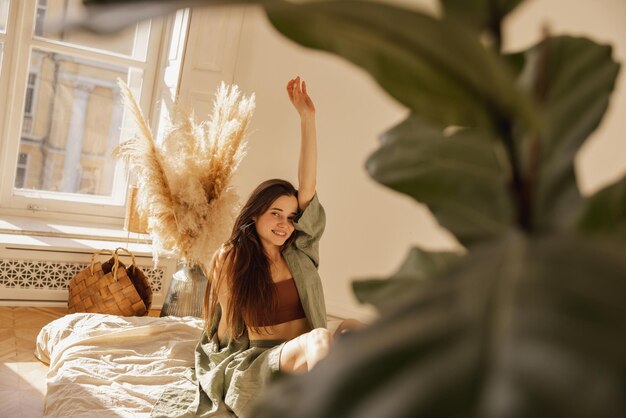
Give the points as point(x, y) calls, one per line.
point(17, 231)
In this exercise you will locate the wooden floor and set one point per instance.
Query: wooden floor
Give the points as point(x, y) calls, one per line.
point(22, 376)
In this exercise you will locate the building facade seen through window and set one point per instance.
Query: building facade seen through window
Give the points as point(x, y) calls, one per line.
point(73, 114)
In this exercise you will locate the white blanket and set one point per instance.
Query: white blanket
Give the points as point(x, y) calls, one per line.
point(111, 366)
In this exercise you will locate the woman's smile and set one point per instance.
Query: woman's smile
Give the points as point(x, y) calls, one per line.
point(275, 225)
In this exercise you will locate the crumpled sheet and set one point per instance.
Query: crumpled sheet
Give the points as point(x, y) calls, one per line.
point(112, 366)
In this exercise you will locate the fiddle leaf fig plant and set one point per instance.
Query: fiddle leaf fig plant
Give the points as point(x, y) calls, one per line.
point(571, 80)
point(514, 326)
point(419, 265)
point(529, 321)
point(484, 15)
point(604, 213)
point(460, 177)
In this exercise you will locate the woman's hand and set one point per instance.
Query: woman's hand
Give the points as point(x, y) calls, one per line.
point(300, 98)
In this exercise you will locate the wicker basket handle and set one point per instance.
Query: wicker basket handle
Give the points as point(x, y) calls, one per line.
point(93, 259)
point(134, 263)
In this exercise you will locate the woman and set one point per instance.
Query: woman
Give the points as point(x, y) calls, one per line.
point(264, 307)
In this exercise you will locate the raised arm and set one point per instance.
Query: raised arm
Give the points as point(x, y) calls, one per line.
point(307, 165)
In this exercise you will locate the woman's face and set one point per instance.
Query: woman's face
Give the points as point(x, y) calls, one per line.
point(275, 225)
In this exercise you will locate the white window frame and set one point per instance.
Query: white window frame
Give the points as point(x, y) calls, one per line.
point(18, 42)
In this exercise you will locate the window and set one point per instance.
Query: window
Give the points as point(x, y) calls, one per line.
point(58, 134)
point(42, 5)
point(4, 15)
point(27, 125)
point(22, 168)
point(30, 94)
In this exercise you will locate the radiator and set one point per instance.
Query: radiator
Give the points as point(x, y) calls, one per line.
point(42, 275)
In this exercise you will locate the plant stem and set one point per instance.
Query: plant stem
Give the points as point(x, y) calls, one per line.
point(519, 189)
point(540, 89)
point(495, 26)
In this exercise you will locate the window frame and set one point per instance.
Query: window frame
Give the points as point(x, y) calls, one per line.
point(18, 43)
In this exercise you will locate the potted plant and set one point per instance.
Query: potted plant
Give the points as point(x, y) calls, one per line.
point(183, 187)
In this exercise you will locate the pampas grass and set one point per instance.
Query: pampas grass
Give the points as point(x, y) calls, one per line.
point(184, 183)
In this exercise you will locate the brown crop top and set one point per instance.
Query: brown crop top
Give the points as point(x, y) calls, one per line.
point(289, 305)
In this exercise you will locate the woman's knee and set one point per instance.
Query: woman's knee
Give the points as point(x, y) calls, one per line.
point(319, 339)
point(348, 325)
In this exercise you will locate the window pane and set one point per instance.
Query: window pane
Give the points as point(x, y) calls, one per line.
point(73, 124)
point(131, 42)
point(4, 15)
point(22, 168)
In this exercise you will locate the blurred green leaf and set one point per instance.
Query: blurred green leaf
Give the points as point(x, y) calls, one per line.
point(482, 14)
point(462, 178)
point(523, 328)
point(110, 16)
point(571, 80)
point(439, 71)
point(420, 265)
point(605, 211)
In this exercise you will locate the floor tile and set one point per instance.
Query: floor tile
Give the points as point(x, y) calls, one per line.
point(32, 376)
point(9, 377)
point(25, 341)
point(31, 404)
point(6, 317)
point(10, 401)
point(8, 348)
point(22, 376)
point(36, 317)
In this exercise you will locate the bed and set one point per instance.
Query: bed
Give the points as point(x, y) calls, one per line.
point(112, 366)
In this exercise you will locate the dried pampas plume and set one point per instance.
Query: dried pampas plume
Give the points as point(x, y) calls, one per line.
point(184, 182)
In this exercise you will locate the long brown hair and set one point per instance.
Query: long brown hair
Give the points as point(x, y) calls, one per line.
point(244, 267)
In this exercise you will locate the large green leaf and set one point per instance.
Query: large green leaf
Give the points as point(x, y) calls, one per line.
point(482, 14)
point(571, 79)
point(437, 69)
point(605, 211)
point(462, 178)
point(420, 265)
point(521, 329)
point(110, 16)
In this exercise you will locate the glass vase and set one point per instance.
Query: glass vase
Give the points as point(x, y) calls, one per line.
point(185, 296)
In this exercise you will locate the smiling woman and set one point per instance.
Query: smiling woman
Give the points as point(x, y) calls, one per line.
point(264, 306)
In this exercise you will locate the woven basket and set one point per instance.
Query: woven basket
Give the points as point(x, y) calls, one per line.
point(110, 288)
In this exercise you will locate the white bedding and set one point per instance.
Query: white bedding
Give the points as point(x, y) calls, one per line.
point(111, 366)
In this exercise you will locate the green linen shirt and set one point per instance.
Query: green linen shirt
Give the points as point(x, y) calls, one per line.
point(226, 379)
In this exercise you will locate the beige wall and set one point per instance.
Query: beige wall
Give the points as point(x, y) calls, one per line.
point(371, 228)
